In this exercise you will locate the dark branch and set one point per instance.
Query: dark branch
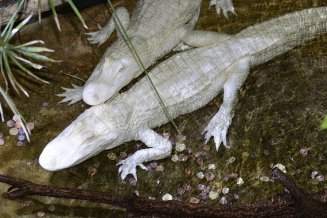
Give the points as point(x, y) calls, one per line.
point(278, 206)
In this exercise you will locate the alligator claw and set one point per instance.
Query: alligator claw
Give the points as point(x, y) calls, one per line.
point(223, 5)
point(71, 95)
point(98, 37)
point(217, 128)
point(128, 166)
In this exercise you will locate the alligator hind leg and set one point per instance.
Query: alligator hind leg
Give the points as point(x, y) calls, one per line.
point(223, 5)
point(200, 38)
point(159, 148)
point(104, 33)
point(219, 124)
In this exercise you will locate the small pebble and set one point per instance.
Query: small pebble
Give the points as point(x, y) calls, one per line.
point(174, 158)
point(112, 156)
point(180, 191)
point(180, 147)
point(18, 125)
point(2, 141)
point(51, 208)
point(13, 131)
point(199, 161)
point(182, 157)
point(20, 143)
point(40, 214)
point(137, 193)
point(21, 131)
point(281, 167)
point(21, 137)
point(213, 195)
point(206, 147)
point(320, 178)
point(10, 123)
point(160, 168)
point(204, 195)
point(200, 175)
point(304, 152)
point(194, 200)
point(211, 167)
point(223, 201)
point(201, 187)
point(231, 160)
point(314, 174)
point(16, 118)
point(167, 197)
point(209, 176)
point(225, 190)
point(239, 181)
point(30, 126)
point(264, 178)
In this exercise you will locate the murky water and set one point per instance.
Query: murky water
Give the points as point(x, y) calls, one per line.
point(279, 111)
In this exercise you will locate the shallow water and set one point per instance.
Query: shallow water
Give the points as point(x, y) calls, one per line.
point(279, 111)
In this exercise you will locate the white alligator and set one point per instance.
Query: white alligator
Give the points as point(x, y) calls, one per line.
point(156, 27)
point(186, 81)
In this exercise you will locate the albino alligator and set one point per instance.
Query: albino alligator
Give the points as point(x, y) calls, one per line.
point(155, 28)
point(186, 82)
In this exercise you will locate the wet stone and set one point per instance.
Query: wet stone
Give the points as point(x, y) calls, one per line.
point(201, 187)
point(13, 131)
point(10, 123)
point(223, 201)
point(213, 195)
point(314, 174)
point(320, 178)
point(200, 175)
point(210, 176)
point(160, 168)
point(239, 181)
point(206, 147)
point(167, 197)
point(180, 147)
point(112, 156)
point(180, 191)
point(174, 158)
point(225, 190)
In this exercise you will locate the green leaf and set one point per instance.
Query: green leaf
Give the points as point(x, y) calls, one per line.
point(72, 5)
point(54, 14)
point(324, 123)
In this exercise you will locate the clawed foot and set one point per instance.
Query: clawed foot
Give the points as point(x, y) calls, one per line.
point(71, 95)
point(217, 128)
point(98, 37)
point(128, 166)
point(223, 5)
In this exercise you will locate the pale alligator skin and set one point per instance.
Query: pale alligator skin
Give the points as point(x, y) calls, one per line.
point(187, 81)
point(156, 27)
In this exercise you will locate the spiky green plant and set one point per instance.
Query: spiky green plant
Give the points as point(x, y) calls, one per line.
point(19, 56)
point(72, 5)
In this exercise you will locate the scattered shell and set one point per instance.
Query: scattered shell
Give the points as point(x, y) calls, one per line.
point(206, 147)
point(40, 214)
point(281, 167)
point(194, 200)
point(210, 176)
point(112, 156)
point(320, 178)
point(51, 208)
point(13, 131)
point(239, 181)
point(231, 160)
point(223, 201)
point(200, 175)
point(159, 168)
point(2, 141)
point(304, 151)
point(314, 174)
point(264, 178)
point(211, 167)
point(10, 123)
point(213, 195)
point(180, 147)
point(180, 191)
point(167, 197)
point(182, 157)
point(225, 190)
point(174, 158)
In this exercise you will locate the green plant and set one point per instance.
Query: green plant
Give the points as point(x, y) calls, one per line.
point(72, 5)
point(19, 56)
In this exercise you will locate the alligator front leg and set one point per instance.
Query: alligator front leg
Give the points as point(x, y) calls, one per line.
point(159, 149)
point(104, 33)
point(72, 95)
point(223, 5)
point(219, 124)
